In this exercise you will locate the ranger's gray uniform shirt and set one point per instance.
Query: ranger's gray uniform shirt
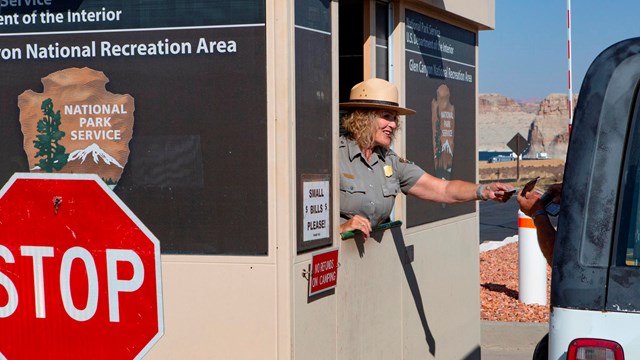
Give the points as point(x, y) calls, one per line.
point(369, 188)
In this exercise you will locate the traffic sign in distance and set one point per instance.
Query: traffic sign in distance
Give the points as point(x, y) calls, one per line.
point(518, 144)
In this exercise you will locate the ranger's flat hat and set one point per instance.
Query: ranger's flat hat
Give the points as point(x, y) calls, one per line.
point(375, 94)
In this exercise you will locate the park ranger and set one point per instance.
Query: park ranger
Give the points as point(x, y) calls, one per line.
point(371, 174)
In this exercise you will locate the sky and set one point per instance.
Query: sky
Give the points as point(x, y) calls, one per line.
point(525, 57)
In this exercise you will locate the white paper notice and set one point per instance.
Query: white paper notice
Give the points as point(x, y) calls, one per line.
point(316, 210)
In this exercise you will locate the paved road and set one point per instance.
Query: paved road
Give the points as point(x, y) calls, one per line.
point(510, 340)
point(498, 221)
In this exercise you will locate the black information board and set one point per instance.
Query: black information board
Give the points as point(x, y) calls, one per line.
point(441, 87)
point(197, 171)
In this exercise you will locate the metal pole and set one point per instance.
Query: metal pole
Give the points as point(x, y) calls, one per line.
point(518, 158)
point(570, 99)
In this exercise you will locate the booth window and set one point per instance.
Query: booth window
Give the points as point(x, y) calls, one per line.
point(314, 123)
point(628, 224)
point(383, 41)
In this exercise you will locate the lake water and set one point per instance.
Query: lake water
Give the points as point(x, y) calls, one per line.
point(486, 155)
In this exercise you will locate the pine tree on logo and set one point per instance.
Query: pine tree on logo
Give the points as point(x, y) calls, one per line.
point(438, 137)
point(54, 156)
point(440, 170)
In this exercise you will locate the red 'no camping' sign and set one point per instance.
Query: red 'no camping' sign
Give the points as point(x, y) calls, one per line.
point(324, 271)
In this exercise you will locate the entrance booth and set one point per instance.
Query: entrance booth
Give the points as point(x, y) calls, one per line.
point(227, 153)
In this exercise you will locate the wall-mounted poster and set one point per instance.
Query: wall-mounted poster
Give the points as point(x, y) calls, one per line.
point(440, 86)
point(165, 100)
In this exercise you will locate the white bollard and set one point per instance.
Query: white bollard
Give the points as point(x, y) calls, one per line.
point(532, 269)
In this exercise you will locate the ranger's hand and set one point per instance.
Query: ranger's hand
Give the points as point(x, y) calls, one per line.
point(357, 222)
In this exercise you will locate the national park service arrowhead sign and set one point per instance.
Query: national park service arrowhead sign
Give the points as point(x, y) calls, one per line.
point(76, 126)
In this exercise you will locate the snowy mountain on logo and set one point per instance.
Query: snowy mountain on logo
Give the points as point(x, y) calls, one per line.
point(446, 148)
point(96, 153)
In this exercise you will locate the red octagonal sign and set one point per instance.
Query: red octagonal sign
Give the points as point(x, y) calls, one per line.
point(79, 273)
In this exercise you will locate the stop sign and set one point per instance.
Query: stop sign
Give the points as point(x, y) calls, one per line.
point(79, 273)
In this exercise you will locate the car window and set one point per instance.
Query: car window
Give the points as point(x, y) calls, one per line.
point(628, 248)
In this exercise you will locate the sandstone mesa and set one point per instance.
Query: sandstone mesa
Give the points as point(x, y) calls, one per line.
point(543, 123)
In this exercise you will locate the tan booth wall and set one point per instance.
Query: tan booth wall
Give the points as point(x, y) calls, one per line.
point(384, 307)
point(394, 303)
point(240, 307)
point(390, 306)
point(440, 294)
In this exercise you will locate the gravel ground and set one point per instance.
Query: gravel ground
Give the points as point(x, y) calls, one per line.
point(499, 288)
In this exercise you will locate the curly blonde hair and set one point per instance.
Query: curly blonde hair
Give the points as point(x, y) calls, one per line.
point(361, 125)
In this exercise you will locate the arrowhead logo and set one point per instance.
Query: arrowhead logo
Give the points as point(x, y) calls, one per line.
point(76, 126)
point(443, 127)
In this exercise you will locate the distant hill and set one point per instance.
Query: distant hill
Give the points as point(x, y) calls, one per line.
point(544, 123)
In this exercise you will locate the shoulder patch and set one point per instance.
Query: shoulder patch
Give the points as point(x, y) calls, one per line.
point(405, 161)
